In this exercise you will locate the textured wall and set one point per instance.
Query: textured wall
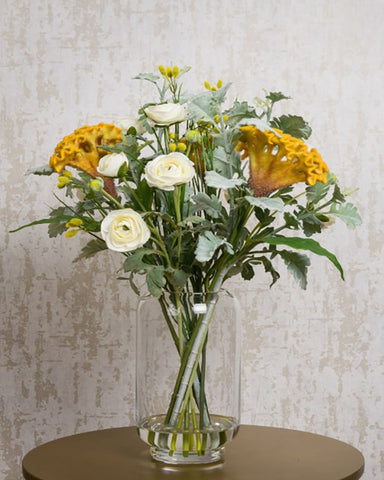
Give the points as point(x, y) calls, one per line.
point(312, 360)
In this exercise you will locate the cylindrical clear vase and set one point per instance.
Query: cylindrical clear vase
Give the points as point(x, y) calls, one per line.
point(188, 375)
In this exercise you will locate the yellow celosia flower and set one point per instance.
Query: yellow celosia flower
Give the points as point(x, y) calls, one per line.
point(80, 150)
point(279, 160)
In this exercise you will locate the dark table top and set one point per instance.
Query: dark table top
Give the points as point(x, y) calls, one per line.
point(259, 453)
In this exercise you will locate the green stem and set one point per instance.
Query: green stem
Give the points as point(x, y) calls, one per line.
point(190, 359)
point(112, 199)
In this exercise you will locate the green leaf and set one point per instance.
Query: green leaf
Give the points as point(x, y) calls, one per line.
point(55, 229)
point(311, 225)
point(207, 245)
point(194, 219)
point(269, 268)
point(177, 277)
point(205, 106)
point(238, 112)
point(91, 248)
point(291, 221)
point(210, 204)
point(293, 125)
point(247, 271)
point(266, 202)
point(215, 180)
point(305, 244)
point(135, 261)
point(257, 122)
point(276, 97)
point(347, 212)
point(337, 196)
point(297, 264)
point(62, 218)
point(317, 192)
point(220, 161)
point(42, 170)
point(150, 77)
point(155, 281)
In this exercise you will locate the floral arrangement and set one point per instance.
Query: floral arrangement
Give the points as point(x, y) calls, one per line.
point(192, 192)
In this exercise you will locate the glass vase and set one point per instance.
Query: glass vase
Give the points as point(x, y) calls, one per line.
point(188, 375)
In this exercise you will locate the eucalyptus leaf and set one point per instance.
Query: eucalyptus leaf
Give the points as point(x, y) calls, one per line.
point(317, 192)
point(266, 202)
point(150, 77)
point(207, 245)
point(214, 179)
point(347, 212)
point(257, 122)
point(210, 204)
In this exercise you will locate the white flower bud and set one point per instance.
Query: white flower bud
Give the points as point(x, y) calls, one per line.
point(125, 123)
point(113, 165)
point(166, 113)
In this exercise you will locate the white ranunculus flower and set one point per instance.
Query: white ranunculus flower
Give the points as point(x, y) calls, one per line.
point(166, 113)
point(124, 230)
point(167, 171)
point(125, 123)
point(110, 165)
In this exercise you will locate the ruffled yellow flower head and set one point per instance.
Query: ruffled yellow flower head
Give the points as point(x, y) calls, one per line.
point(80, 148)
point(277, 160)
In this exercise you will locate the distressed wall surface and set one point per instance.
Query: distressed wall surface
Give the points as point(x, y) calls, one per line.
point(312, 360)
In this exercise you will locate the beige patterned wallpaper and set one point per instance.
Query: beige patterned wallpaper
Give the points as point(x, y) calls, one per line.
point(312, 360)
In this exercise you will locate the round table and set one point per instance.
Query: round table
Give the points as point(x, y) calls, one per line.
point(259, 453)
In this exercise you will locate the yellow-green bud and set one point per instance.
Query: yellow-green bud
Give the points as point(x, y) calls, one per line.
point(74, 222)
point(96, 184)
point(172, 147)
point(175, 71)
point(63, 181)
point(67, 173)
point(162, 70)
point(192, 136)
point(72, 233)
point(207, 85)
point(181, 147)
point(219, 83)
